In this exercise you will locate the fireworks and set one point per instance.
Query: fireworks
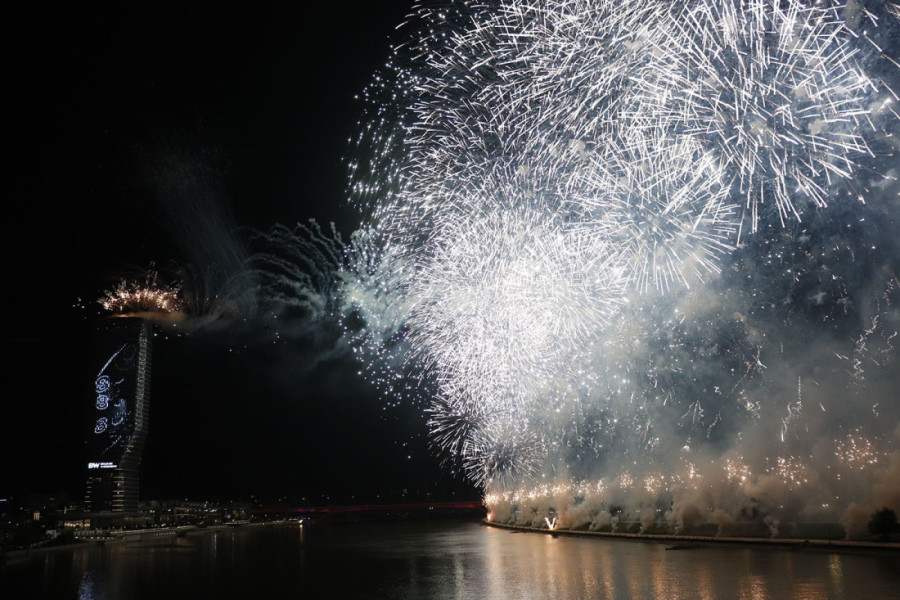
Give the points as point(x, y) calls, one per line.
point(147, 296)
point(654, 483)
point(626, 480)
point(298, 268)
point(373, 312)
point(581, 235)
point(736, 471)
point(774, 89)
point(501, 454)
point(504, 305)
point(203, 296)
point(792, 471)
point(856, 452)
point(665, 203)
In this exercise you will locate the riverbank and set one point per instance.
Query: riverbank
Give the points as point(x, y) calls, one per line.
point(687, 541)
point(89, 538)
point(410, 560)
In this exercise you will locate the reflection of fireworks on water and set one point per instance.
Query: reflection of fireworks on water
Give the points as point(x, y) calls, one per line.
point(542, 183)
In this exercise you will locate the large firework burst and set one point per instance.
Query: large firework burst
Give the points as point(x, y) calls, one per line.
point(775, 88)
point(542, 182)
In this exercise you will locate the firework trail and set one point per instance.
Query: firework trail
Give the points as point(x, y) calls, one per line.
point(775, 89)
point(599, 233)
point(496, 297)
point(502, 453)
point(665, 203)
point(211, 293)
point(297, 268)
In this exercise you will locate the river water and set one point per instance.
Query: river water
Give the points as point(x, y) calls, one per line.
point(452, 560)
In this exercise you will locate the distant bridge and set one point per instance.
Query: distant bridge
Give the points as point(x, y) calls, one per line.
point(312, 511)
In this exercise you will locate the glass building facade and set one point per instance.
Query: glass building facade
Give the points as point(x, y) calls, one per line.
point(117, 413)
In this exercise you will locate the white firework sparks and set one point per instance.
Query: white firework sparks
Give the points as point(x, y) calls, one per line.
point(502, 453)
point(150, 296)
point(505, 304)
point(665, 202)
point(543, 181)
point(773, 87)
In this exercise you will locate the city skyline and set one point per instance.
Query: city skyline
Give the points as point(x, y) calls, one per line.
point(199, 184)
point(144, 138)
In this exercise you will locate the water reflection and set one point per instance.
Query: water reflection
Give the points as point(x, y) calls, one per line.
point(752, 588)
point(446, 560)
point(834, 568)
point(93, 586)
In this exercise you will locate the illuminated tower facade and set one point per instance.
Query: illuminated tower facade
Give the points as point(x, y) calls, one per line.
point(117, 413)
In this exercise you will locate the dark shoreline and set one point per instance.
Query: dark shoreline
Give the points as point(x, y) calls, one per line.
point(124, 537)
point(685, 541)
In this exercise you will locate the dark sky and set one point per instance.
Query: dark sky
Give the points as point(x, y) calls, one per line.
point(129, 128)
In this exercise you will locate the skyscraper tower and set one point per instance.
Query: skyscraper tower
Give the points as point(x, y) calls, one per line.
point(117, 413)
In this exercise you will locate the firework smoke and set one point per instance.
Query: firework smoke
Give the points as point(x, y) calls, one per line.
point(638, 262)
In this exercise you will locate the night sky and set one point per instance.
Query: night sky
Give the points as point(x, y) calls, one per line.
point(154, 132)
